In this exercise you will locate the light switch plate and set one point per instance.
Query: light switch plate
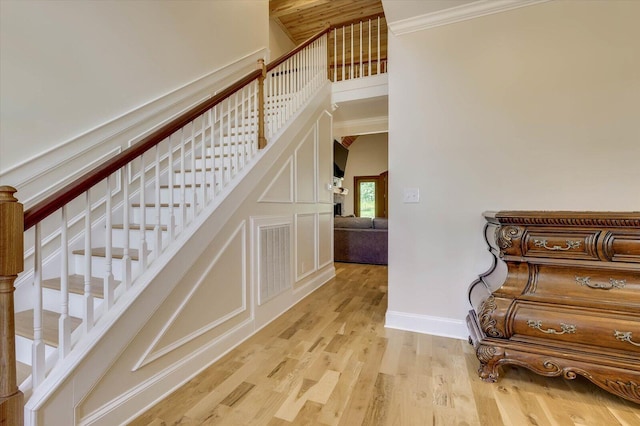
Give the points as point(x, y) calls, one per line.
point(411, 195)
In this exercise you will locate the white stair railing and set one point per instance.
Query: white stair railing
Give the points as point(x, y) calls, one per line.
point(359, 49)
point(95, 238)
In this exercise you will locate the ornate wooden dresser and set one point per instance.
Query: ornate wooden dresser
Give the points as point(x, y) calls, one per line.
point(561, 298)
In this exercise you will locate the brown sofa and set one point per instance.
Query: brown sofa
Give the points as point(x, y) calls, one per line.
point(360, 240)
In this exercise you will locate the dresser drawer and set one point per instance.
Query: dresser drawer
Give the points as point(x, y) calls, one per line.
point(622, 246)
point(592, 287)
point(576, 326)
point(560, 243)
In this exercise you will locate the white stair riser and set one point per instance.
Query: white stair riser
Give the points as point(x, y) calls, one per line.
point(98, 266)
point(135, 237)
point(165, 213)
point(24, 348)
point(177, 195)
point(51, 302)
point(208, 163)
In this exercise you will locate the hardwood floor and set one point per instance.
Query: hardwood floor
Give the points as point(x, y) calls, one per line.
point(330, 361)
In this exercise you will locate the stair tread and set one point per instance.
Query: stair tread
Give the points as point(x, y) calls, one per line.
point(76, 285)
point(24, 325)
point(136, 226)
point(23, 371)
point(116, 252)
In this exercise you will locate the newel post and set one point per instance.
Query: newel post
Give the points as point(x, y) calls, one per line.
point(262, 140)
point(11, 264)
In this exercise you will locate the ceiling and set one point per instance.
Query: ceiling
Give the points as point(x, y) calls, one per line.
point(302, 19)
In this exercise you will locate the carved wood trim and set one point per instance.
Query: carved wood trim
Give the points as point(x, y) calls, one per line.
point(487, 323)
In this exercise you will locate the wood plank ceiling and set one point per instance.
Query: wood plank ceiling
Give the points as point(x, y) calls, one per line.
point(301, 19)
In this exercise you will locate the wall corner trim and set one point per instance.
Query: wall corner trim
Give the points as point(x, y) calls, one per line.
point(437, 326)
point(456, 14)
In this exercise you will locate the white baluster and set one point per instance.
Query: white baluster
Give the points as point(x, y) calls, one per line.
point(88, 299)
point(335, 55)
point(142, 252)
point(212, 120)
point(280, 97)
point(183, 190)
point(238, 159)
point(245, 128)
point(229, 144)
point(369, 54)
point(221, 149)
point(269, 106)
point(343, 53)
point(126, 255)
point(64, 322)
point(360, 57)
point(37, 352)
point(157, 230)
point(108, 258)
point(170, 175)
point(203, 150)
point(378, 40)
point(351, 69)
point(290, 87)
point(194, 195)
point(254, 145)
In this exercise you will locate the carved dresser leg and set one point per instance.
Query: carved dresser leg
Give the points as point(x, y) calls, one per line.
point(489, 357)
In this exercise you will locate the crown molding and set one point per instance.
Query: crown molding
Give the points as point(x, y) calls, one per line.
point(457, 14)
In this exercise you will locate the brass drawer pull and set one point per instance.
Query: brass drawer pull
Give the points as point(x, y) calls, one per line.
point(612, 283)
point(566, 328)
point(570, 245)
point(625, 336)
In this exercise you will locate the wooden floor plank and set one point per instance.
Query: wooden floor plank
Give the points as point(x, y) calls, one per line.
point(330, 361)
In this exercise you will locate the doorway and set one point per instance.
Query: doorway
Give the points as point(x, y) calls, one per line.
point(370, 195)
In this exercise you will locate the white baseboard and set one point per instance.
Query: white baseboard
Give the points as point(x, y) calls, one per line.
point(437, 326)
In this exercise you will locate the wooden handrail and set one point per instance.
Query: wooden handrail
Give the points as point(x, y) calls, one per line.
point(59, 198)
point(300, 47)
point(356, 21)
point(63, 196)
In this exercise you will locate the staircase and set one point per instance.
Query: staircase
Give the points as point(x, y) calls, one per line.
point(200, 168)
point(90, 243)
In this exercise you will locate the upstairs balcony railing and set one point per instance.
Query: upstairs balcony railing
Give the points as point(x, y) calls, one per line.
point(358, 49)
point(93, 240)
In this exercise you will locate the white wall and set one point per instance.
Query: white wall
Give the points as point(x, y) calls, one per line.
point(534, 108)
point(69, 66)
point(279, 42)
point(368, 156)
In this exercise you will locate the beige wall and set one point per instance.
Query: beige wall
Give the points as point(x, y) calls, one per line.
point(534, 108)
point(68, 66)
point(279, 43)
point(368, 156)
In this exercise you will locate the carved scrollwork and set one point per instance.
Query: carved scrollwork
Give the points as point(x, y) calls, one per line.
point(487, 323)
point(486, 353)
point(506, 234)
point(629, 390)
point(489, 357)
